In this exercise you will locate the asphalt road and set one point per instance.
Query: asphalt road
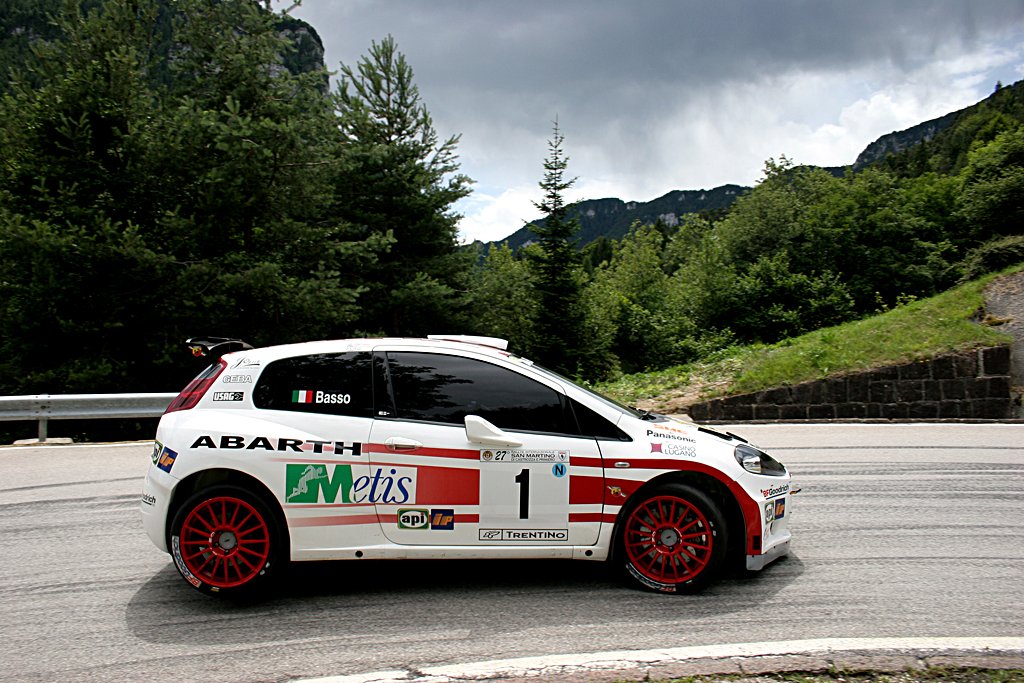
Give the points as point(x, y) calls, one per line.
point(900, 531)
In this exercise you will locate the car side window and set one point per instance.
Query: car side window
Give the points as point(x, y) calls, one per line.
point(592, 424)
point(442, 388)
point(328, 383)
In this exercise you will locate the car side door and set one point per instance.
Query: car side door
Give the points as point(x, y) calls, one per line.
point(484, 451)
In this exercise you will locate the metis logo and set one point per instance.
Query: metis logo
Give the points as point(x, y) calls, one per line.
point(316, 483)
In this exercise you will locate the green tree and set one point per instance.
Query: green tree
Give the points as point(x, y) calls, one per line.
point(400, 183)
point(992, 198)
point(77, 276)
point(250, 152)
point(559, 273)
point(505, 301)
point(630, 296)
point(136, 213)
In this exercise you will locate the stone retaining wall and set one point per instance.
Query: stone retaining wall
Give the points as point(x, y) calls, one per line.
point(972, 384)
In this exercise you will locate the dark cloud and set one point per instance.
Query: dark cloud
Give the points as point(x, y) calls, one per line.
point(639, 85)
point(532, 45)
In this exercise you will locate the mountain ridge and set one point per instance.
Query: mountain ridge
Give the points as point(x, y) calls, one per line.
point(612, 218)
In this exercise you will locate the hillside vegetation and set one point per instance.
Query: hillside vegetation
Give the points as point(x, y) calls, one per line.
point(912, 331)
point(169, 170)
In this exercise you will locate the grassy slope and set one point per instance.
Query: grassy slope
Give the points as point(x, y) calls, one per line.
point(921, 329)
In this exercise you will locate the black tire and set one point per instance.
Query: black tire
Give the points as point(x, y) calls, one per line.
point(224, 540)
point(672, 539)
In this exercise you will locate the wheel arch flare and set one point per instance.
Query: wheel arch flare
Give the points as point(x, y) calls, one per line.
point(204, 479)
point(742, 514)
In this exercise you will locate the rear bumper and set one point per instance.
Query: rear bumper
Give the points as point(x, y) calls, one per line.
point(156, 500)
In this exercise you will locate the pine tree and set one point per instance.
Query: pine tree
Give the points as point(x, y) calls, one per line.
point(400, 182)
point(558, 266)
point(135, 213)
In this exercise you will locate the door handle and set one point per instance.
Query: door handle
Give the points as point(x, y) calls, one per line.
point(400, 443)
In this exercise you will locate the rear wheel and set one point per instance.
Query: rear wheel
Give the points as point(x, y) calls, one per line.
point(225, 540)
point(673, 539)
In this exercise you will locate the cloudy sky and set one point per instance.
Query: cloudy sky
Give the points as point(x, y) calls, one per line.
point(659, 95)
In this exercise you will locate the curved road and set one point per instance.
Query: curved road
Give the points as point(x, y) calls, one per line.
point(901, 531)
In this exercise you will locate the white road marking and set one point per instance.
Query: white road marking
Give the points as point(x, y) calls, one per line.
point(554, 665)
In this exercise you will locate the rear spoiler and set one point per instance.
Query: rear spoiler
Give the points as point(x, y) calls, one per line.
point(215, 347)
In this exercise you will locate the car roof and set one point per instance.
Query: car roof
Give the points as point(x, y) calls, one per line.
point(490, 346)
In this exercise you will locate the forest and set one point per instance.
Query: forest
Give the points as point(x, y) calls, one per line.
point(167, 171)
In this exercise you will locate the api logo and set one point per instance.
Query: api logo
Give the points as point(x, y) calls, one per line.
point(413, 519)
point(166, 459)
point(442, 520)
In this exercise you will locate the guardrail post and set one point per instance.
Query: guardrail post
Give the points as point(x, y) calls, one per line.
point(42, 429)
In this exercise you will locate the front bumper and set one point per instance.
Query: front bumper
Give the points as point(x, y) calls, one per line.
point(758, 562)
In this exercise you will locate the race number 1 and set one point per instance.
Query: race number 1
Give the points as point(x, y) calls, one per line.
point(524, 489)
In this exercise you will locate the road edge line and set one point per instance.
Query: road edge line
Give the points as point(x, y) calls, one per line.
point(709, 659)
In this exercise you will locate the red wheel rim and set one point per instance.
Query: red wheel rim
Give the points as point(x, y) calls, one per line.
point(225, 541)
point(668, 539)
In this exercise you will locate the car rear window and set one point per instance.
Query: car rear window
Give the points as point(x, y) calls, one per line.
point(328, 383)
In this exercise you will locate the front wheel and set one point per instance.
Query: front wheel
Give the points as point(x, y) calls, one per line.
point(225, 540)
point(673, 539)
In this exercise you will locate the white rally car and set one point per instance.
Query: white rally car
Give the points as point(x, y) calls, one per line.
point(442, 448)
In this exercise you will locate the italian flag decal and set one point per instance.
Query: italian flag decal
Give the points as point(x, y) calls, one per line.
point(301, 396)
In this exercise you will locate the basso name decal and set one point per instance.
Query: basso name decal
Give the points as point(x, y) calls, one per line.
point(316, 483)
point(307, 396)
point(263, 443)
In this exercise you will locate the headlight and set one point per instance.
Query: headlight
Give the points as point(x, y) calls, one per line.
point(757, 461)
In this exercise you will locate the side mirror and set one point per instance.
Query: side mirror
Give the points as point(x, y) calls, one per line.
point(479, 430)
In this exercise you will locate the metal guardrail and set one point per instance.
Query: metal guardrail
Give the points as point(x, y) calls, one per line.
point(46, 407)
